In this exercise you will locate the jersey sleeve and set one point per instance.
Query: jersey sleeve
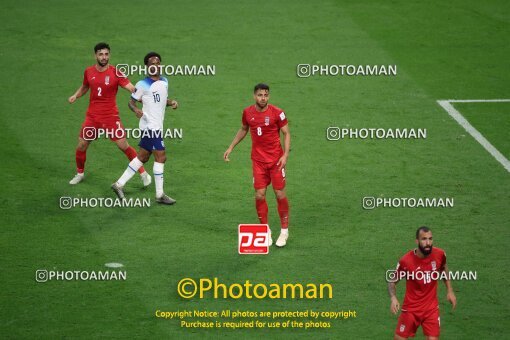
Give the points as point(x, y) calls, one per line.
point(281, 119)
point(85, 79)
point(244, 121)
point(165, 80)
point(123, 80)
point(401, 268)
point(443, 261)
point(137, 95)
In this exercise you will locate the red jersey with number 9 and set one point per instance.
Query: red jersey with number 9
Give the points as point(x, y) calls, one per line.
point(103, 90)
point(265, 132)
point(421, 293)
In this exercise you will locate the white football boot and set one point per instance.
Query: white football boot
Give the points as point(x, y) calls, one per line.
point(165, 199)
point(282, 239)
point(117, 189)
point(77, 179)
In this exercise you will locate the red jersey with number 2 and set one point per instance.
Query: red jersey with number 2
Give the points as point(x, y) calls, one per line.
point(265, 132)
point(421, 293)
point(103, 91)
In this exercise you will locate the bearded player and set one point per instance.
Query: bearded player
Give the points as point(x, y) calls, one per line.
point(421, 306)
point(265, 122)
point(102, 113)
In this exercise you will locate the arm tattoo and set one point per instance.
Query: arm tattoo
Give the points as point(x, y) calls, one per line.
point(391, 289)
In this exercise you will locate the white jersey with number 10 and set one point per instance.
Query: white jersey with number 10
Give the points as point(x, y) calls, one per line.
point(153, 94)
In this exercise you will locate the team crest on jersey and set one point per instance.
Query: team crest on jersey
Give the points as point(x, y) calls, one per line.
point(107, 80)
point(433, 263)
point(402, 327)
point(266, 121)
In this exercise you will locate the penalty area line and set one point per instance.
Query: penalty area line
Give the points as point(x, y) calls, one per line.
point(459, 118)
point(477, 100)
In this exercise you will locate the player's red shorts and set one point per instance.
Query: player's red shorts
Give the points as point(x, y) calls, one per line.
point(102, 127)
point(408, 323)
point(266, 173)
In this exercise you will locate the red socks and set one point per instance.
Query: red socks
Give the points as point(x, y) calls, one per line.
point(262, 210)
point(81, 157)
point(283, 211)
point(131, 153)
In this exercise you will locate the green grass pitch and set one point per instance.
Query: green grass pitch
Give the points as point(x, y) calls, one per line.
point(443, 50)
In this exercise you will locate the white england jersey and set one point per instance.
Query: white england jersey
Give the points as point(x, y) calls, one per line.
point(153, 95)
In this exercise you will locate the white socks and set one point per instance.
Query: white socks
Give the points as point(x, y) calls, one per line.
point(158, 178)
point(132, 168)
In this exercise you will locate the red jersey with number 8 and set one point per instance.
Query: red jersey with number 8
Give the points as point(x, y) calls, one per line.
point(265, 132)
point(103, 90)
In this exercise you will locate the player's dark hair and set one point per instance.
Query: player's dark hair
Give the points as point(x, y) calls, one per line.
point(101, 46)
point(150, 55)
point(420, 229)
point(261, 86)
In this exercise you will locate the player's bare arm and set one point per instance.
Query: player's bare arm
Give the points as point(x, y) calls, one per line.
point(172, 103)
point(129, 87)
point(132, 106)
point(241, 133)
point(80, 92)
point(392, 291)
point(286, 147)
point(450, 295)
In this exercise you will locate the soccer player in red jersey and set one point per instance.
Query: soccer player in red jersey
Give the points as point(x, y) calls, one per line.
point(265, 122)
point(102, 113)
point(421, 306)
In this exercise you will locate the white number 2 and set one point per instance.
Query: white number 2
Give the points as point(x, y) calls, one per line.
point(259, 131)
point(99, 92)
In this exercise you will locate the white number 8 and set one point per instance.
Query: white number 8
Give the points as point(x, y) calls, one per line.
point(259, 131)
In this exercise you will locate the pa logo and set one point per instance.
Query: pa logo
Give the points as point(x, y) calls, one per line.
point(253, 239)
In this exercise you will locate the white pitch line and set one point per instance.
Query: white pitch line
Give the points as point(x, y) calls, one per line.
point(478, 100)
point(114, 265)
point(445, 104)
